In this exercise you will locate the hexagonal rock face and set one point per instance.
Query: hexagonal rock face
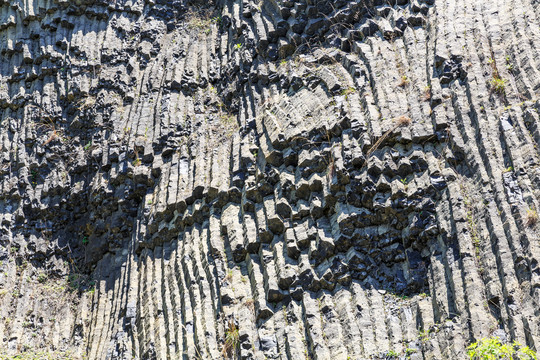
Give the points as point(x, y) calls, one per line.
point(268, 179)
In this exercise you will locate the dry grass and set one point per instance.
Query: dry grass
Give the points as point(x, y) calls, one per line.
point(531, 218)
point(250, 304)
point(229, 276)
point(403, 121)
point(232, 340)
point(404, 82)
point(427, 93)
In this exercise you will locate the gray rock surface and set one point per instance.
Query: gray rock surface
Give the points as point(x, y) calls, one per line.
point(330, 179)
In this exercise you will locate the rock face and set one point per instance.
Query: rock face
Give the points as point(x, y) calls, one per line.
point(268, 179)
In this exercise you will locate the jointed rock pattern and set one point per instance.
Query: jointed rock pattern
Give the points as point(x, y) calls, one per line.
point(333, 179)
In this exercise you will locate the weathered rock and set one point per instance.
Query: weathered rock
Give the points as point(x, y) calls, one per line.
point(329, 178)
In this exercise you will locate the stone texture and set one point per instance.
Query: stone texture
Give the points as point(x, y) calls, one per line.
point(334, 179)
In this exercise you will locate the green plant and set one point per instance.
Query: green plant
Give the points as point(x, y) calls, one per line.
point(493, 349)
point(423, 335)
point(509, 64)
point(75, 281)
point(26, 324)
point(229, 276)
point(84, 240)
point(531, 218)
point(92, 289)
point(497, 85)
point(346, 92)
point(232, 340)
point(238, 46)
point(392, 354)
point(42, 277)
point(409, 352)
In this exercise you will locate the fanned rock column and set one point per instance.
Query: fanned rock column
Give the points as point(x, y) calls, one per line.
point(268, 179)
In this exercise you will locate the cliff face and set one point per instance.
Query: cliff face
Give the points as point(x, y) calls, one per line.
point(265, 179)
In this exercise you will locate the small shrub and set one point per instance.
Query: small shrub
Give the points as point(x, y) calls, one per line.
point(493, 349)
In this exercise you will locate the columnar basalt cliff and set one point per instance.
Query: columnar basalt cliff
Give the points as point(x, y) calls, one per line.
point(268, 179)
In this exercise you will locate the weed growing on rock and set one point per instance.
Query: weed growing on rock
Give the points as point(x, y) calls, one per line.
point(409, 352)
point(531, 217)
point(423, 335)
point(403, 120)
point(427, 93)
point(492, 348)
point(201, 20)
point(348, 91)
point(42, 277)
point(509, 64)
point(250, 304)
point(497, 85)
point(232, 340)
point(404, 81)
